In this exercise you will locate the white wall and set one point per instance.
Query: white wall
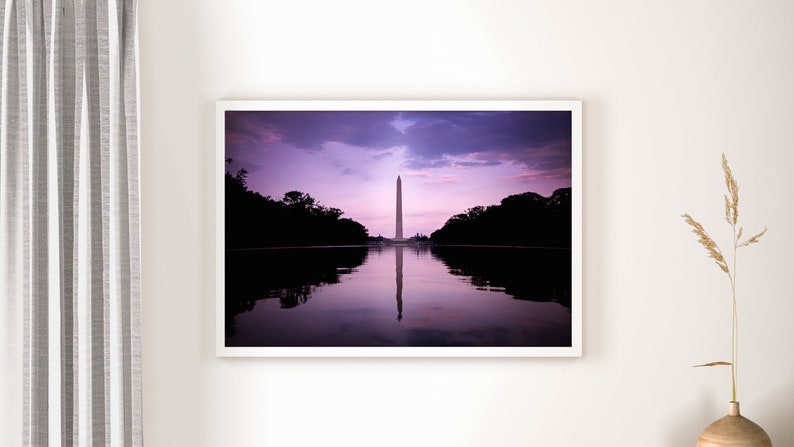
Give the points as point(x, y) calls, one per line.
point(667, 86)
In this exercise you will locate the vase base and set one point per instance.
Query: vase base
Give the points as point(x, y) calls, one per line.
point(734, 430)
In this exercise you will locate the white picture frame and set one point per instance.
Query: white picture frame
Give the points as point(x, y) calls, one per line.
point(455, 111)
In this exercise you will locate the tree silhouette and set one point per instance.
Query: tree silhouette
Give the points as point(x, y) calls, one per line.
point(299, 200)
point(256, 221)
point(526, 219)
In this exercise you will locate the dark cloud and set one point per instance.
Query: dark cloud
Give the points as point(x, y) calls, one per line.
point(540, 140)
point(493, 137)
point(244, 128)
point(416, 161)
point(346, 171)
point(309, 130)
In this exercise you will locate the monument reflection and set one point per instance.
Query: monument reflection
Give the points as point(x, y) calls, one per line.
point(398, 261)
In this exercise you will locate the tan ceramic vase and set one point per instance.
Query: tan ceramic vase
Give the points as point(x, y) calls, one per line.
point(734, 430)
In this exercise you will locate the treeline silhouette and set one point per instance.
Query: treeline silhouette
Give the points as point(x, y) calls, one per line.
point(526, 219)
point(256, 221)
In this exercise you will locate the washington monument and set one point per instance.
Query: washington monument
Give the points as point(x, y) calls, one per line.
point(398, 233)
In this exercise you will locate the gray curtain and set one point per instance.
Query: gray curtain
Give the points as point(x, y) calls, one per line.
point(69, 224)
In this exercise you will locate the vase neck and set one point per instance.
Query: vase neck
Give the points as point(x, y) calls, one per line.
point(733, 409)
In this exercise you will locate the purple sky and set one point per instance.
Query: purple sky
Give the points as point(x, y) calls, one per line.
point(449, 161)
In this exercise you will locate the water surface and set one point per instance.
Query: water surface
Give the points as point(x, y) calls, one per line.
point(411, 295)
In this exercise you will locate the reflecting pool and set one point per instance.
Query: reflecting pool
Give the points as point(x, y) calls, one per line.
point(412, 295)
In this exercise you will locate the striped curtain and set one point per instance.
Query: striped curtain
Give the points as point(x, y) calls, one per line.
point(70, 357)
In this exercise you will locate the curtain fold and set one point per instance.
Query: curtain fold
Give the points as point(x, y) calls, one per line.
point(69, 224)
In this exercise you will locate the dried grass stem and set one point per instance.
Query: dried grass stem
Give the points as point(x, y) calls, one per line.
point(732, 218)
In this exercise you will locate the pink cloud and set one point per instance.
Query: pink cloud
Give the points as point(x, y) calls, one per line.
point(442, 180)
point(244, 129)
point(555, 174)
point(415, 174)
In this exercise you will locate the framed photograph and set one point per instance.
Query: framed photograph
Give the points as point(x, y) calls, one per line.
point(399, 228)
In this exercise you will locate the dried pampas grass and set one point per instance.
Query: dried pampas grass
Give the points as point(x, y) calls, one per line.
point(732, 218)
point(708, 243)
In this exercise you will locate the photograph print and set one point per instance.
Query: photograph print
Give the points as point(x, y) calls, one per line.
point(399, 228)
